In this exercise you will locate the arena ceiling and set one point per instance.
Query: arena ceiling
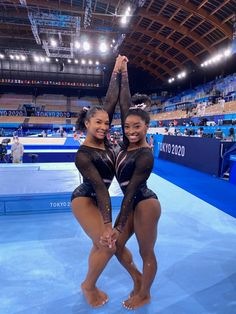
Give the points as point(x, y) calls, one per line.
point(162, 37)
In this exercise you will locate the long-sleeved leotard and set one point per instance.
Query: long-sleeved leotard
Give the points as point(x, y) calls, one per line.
point(125, 97)
point(112, 95)
point(133, 168)
point(97, 168)
point(97, 165)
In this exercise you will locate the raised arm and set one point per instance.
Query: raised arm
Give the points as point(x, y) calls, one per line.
point(89, 171)
point(143, 169)
point(125, 96)
point(113, 90)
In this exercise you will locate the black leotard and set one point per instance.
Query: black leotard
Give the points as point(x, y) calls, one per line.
point(133, 168)
point(97, 168)
point(97, 165)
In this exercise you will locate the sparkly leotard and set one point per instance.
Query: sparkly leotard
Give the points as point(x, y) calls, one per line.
point(133, 168)
point(97, 168)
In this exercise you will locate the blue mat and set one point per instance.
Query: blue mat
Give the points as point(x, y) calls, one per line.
point(43, 260)
point(27, 188)
point(215, 191)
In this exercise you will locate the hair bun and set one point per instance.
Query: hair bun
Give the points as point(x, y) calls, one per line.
point(141, 101)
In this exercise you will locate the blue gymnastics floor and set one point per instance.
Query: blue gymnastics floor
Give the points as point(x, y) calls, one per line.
point(43, 259)
point(214, 190)
point(41, 187)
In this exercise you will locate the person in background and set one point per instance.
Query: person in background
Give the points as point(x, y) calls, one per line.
point(200, 132)
point(60, 131)
point(17, 151)
point(231, 135)
point(175, 122)
point(2, 133)
point(177, 132)
point(151, 143)
point(20, 131)
point(64, 134)
point(222, 104)
point(166, 131)
point(44, 133)
point(219, 134)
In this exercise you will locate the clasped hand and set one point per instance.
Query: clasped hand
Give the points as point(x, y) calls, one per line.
point(109, 237)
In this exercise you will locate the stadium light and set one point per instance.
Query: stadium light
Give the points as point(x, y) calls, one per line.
point(53, 42)
point(217, 58)
point(103, 47)
point(172, 79)
point(77, 45)
point(22, 57)
point(86, 46)
point(227, 53)
point(126, 16)
point(36, 59)
point(181, 75)
point(124, 20)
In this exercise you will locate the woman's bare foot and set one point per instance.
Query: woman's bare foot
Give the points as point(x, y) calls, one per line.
point(136, 301)
point(94, 296)
point(103, 295)
point(137, 285)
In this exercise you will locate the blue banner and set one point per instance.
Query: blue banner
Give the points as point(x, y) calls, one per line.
point(46, 202)
point(199, 153)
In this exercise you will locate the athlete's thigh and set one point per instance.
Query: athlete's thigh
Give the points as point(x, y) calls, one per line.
point(146, 216)
point(88, 216)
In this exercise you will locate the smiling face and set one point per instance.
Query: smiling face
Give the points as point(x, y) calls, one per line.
point(98, 125)
point(135, 129)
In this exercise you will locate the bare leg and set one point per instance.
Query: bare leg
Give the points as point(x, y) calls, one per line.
point(124, 256)
point(146, 216)
point(90, 219)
